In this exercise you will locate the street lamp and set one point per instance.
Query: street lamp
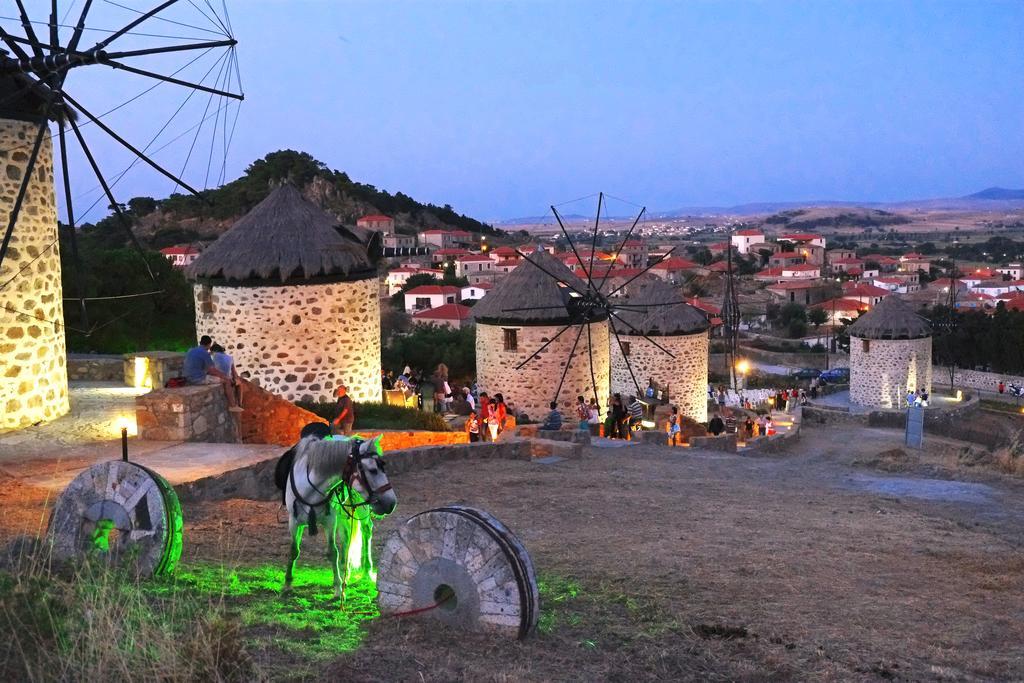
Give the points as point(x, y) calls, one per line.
point(742, 368)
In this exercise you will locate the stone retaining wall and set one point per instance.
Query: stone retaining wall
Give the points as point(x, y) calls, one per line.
point(95, 367)
point(152, 369)
point(256, 482)
point(192, 413)
point(974, 379)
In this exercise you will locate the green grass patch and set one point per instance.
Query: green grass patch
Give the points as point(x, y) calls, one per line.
point(1001, 406)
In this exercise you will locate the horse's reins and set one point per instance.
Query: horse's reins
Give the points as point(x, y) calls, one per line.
point(352, 467)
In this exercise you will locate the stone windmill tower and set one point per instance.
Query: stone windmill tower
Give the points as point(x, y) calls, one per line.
point(533, 344)
point(33, 375)
point(890, 354)
point(667, 343)
point(293, 300)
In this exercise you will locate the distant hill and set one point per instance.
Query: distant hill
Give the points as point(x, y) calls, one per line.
point(999, 193)
point(186, 218)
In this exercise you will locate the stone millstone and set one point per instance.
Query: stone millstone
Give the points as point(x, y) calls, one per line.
point(120, 510)
point(466, 560)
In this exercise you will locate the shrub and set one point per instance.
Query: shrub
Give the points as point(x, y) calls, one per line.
point(382, 416)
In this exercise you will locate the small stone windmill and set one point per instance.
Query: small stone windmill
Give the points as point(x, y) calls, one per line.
point(36, 59)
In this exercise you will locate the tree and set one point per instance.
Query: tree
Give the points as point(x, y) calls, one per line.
point(790, 312)
point(817, 317)
point(427, 345)
point(796, 329)
point(141, 206)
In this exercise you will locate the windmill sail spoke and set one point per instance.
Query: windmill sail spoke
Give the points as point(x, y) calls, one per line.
point(26, 179)
point(79, 27)
point(548, 272)
point(590, 283)
point(541, 349)
point(13, 43)
point(171, 48)
point(130, 147)
point(195, 86)
point(54, 36)
point(593, 377)
point(593, 239)
point(111, 38)
point(30, 33)
point(125, 223)
point(620, 287)
point(630, 326)
point(72, 236)
point(565, 371)
point(626, 239)
point(622, 350)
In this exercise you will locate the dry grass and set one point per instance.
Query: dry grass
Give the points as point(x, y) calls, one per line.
point(1010, 458)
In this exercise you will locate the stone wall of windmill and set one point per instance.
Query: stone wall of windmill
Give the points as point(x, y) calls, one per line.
point(883, 370)
point(685, 373)
point(533, 387)
point(299, 341)
point(33, 374)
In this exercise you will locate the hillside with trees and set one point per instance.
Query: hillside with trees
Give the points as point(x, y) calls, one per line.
point(183, 218)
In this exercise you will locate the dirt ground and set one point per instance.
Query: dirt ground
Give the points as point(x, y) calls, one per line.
point(843, 559)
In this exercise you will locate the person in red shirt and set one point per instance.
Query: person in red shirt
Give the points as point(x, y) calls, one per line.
point(485, 412)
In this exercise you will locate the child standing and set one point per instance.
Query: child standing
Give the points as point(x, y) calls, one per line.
point(473, 427)
point(673, 425)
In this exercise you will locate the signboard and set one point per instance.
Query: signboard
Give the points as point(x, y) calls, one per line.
point(915, 427)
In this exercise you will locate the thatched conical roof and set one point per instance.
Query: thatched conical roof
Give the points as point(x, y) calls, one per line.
point(285, 238)
point(891, 318)
point(668, 316)
point(530, 287)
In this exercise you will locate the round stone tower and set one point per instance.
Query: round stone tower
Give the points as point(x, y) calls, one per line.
point(890, 354)
point(293, 300)
point(33, 372)
point(530, 311)
point(678, 328)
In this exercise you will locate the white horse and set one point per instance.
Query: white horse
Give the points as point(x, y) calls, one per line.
point(336, 483)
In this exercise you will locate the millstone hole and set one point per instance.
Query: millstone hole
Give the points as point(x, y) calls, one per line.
point(444, 596)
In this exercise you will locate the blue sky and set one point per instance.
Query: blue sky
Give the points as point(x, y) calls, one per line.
point(501, 108)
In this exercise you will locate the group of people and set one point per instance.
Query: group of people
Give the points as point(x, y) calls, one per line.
point(752, 427)
point(917, 398)
point(487, 416)
point(209, 363)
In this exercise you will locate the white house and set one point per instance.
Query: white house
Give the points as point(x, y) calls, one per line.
point(800, 238)
point(180, 256)
point(442, 239)
point(1012, 270)
point(475, 291)
point(802, 271)
point(377, 222)
point(742, 240)
point(896, 285)
point(998, 288)
point(430, 296)
point(473, 264)
point(397, 277)
point(864, 292)
point(395, 240)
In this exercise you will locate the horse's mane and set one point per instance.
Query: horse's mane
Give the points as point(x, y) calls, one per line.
point(324, 457)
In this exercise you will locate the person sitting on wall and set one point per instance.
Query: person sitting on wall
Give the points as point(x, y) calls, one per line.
point(553, 422)
point(342, 424)
point(200, 369)
point(226, 364)
point(716, 425)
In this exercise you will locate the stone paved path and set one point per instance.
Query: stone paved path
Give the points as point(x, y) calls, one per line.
point(50, 455)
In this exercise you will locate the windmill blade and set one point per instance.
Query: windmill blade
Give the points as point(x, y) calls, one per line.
point(106, 129)
point(26, 178)
point(567, 364)
point(630, 326)
point(79, 27)
point(625, 239)
point(172, 48)
point(620, 287)
point(72, 236)
point(117, 34)
point(593, 377)
point(593, 239)
point(622, 350)
point(54, 36)
point(548, 273)
point(29, 31)
point(115, 207)
point(168, 79)
point(541, 349)
point(13, 43)
point(590, 283)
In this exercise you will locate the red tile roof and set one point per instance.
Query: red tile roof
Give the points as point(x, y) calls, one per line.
point(863, 289)
point(801, 268)
point(842, 305)
point(749, 233)
point(797, 284)
point(375, 217)
point(787, 254)
point(174, 251)
point(472, 258)
point(427, 290)
point(445, 312)
point(675, 263)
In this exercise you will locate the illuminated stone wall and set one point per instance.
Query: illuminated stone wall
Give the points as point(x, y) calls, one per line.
point(533, 387)
point(33, 374)
point(685, 375)
point(880, 376)
point(299, 341)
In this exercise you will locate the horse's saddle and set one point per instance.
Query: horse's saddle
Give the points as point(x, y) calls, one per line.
point(287, 459)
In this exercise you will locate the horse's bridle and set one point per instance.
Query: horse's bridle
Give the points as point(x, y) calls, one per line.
point(354, 468)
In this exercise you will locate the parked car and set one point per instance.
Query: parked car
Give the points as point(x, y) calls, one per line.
point(835, 376)
point(806, 373)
